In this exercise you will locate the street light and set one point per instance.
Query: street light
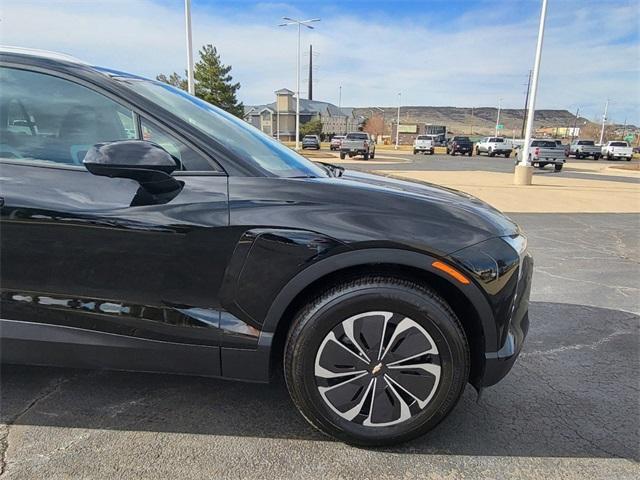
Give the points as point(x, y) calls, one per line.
point(498, 117)
point(300, 23)
point(187, 22)
point(398, 122)
point(604, 121)
point(524, 171)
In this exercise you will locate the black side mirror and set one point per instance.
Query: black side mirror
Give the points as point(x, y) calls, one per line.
point(147, 163)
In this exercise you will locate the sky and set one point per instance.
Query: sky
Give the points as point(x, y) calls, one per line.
point(441, 52)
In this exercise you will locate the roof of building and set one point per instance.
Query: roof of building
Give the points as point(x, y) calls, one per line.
point(307, 107)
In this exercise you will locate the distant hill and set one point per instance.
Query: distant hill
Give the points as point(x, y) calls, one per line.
point(459, 120)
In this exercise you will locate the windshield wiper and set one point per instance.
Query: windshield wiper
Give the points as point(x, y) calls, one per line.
point(333, 170)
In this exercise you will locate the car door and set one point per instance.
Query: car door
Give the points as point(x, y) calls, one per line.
point(88, 274)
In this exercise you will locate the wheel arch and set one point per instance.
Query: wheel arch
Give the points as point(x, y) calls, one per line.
point(467, 301)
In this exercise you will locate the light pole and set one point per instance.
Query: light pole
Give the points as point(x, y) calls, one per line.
point(299, 23)
point(498, 117)
point(604, 120)
point(524, 171)
point(398, 121)
point(187, 22)
point(575, 125)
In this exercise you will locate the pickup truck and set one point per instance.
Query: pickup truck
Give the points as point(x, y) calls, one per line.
point(336, 141)
point(423, 144)
point(493, 146)
point(617, 149)
point(357, 143)
point(584, 149)
point(460, 145)
point(546, 152)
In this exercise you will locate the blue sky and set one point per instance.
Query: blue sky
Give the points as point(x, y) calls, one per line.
point(453, 53)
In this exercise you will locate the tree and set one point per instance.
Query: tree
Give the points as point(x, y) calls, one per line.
point(174, 79)
point(313, 127)
point(213, 82)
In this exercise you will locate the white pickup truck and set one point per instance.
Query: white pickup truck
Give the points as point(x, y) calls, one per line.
point(584, 149)
point(617, 149)
point(546, 152)
point(493, 146)
point(423, 144)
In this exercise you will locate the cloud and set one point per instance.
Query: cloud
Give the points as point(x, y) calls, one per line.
point(591, 49)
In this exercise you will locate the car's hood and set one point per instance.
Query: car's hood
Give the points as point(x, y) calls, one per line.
point(461, 205)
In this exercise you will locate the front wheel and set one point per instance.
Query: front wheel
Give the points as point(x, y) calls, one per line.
point(376, 360)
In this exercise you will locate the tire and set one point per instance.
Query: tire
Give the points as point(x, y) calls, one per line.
point(609, 157)
point(491, 154)
point(373, 155)
point(470, 152)
point(596, 157)
point(541, 165)
point(507, 155)
point(477, 151)
point(628, 159)
point(317, 341)
point(415, 152)
point(342, 155)
point(365, 156)
point(558, 167)
point(578, 156)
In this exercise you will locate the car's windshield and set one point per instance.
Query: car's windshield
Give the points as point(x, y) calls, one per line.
point(244, 140)
point(496, 140)
point(585, 142)
point(543, 143)
point(310, 137)
point(619, 144)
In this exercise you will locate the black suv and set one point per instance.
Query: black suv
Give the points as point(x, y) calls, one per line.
point(460, 145)
point(146, 230)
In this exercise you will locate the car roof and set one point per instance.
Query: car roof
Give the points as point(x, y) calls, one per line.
point(44, 54)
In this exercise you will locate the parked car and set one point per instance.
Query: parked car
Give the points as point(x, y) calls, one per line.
point(357, 143)
point(205, 247)
point(617, 149)
point(423, 144)
point(547, 152)
point(311, 141)
point(493, 146)
point(336, 142)
point(459, 144)
point(583, 149)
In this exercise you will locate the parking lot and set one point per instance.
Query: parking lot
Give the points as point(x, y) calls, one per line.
point(569, 409)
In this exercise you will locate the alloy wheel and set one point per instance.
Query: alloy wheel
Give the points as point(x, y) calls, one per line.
point(377, 369)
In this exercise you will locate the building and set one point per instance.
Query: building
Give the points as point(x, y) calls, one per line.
point(280, 116)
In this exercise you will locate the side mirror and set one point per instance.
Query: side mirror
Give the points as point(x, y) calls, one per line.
point(147, 163)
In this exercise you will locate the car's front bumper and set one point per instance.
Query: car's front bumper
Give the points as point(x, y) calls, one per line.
point(498, 364)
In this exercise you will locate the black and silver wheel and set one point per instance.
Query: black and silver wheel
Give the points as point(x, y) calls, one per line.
point(376, 361)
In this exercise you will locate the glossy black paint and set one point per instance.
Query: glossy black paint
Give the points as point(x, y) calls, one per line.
point(214, 264)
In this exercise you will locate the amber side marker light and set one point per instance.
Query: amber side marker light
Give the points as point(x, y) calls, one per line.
point(451, 271)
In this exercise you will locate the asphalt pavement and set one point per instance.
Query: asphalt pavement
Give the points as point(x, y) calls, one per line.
point(569, 409)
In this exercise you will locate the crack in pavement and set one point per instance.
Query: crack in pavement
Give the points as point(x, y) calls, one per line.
point(578, 346)
point(52, 389)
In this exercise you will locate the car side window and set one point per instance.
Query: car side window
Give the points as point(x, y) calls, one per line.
point(51, 119)
point(191, 160)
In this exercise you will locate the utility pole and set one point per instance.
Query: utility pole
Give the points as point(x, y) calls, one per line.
point(575, 125)
point(310, 92)
point(526, 102)
point(398, 122)
point(472, 119)
point(624, 130)
point(187, 22)
point(498, 117)
point(604, 120)
point(524, 171)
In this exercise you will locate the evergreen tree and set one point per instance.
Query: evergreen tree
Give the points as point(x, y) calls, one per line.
point(174, 79)
point(213, 83)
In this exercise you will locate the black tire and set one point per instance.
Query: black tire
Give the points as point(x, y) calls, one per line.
point(541, 165)
point(558, 167)
point(628, 159)
point(596, 157)
point(609, 157)
point(477, 151)
point(415, 152)
point(578, 156)
point(365, 156)
point(311, 332)
point(491, 154)
point(342, 155)
point(507, 155)
point(373, 155)
point(470, 152)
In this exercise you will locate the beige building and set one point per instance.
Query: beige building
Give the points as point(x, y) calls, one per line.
point(280, 116)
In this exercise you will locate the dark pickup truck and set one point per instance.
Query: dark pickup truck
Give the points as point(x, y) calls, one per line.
point(460, 145)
